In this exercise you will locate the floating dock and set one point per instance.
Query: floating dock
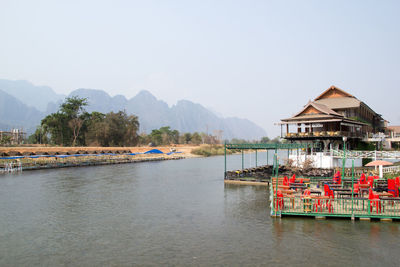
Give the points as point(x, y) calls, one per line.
point(343, 204)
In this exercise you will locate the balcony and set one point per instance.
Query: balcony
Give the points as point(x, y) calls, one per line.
point(324, 134)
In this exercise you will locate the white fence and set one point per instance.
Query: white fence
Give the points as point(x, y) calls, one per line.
point(366, 154)
point(391, 169)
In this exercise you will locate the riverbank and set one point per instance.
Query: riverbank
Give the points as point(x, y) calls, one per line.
point(41, 157)
point(185, 150)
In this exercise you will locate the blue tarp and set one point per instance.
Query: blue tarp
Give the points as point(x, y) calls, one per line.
point(154, 151)
point(16, 157)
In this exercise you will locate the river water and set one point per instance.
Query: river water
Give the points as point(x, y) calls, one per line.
point(170, 213)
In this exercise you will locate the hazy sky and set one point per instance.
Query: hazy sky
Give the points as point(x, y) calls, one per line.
point(261, 60)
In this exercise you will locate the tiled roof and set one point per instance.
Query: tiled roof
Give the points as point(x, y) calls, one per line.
point(395, 129)
point(340, 102)
point(334, 88)
point(320, 107)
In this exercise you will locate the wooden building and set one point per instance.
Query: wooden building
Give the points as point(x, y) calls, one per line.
point(332, 117)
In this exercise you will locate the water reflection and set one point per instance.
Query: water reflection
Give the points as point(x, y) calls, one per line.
point(169, 213)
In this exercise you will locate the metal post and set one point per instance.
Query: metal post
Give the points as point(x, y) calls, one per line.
point(276, 186)
point(352, 189)
point(225, 160)
point(273, 167)
point(242, 161)
point(267, 158)
point(256, 158)
point(344, 154)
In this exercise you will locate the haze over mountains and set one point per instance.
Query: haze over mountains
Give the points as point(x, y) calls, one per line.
point(24, 105)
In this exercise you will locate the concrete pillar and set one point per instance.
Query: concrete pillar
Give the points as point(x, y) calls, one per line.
point(326, 144)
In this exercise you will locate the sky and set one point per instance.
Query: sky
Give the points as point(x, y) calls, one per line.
point(260, 60)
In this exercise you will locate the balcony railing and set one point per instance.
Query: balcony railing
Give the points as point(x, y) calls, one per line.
point(325, 134)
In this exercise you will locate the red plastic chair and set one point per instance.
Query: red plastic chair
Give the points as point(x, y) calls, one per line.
point(356, 188)
point(362, 179)
point(285, 181)
point(337, 178)
point(392, 189)
point(279, 200)
point(374, 201)
point(371, 181)
point(293, 179)
point(317, 205)
point(328, 191)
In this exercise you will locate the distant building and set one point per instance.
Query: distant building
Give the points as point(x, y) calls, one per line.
point(13, 137)
point(333, 116)
point(393, 136)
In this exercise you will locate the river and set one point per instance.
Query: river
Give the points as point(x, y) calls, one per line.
point(170, 213)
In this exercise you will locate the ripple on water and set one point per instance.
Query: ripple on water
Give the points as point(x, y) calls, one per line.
point(169, 213)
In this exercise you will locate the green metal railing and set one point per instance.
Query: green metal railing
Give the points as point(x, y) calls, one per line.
point(338, 207)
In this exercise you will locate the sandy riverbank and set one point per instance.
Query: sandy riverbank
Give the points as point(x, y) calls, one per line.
point(61, 157)
point(185, 150)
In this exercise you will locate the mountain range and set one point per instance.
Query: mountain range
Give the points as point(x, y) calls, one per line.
point(24, 105)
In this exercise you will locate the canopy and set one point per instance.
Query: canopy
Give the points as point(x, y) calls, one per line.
point(378, 163)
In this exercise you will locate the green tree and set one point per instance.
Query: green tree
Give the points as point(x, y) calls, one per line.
point(120, 129)
point(187, 137)
point(38, 137)
point(196, 138)
point(5, 140)
point(265, 140)
point(156, 137)
point(65, 125)
point(95, 134)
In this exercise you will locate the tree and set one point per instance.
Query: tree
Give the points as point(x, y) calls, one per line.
point(187, 137)
point(38, 137)
point(5, 140)
point(95, 133)
point(276, 140)
point(73, 108)
point(120, 129)
point(132, 127)
point(156, 137)
point(65, 125)
point(265, 140)
point(196, 138)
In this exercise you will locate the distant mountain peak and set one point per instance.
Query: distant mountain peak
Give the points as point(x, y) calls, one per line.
point(146, 95)
point(30, 94)
point(81, 91)
point(153, 113)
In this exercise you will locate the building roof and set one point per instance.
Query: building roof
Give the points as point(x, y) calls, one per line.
point(395, 129)
point(320, 119)
point(333, 92)
point(340, 102)
point(316, 110)
point(323, 107)
point(312, 117)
